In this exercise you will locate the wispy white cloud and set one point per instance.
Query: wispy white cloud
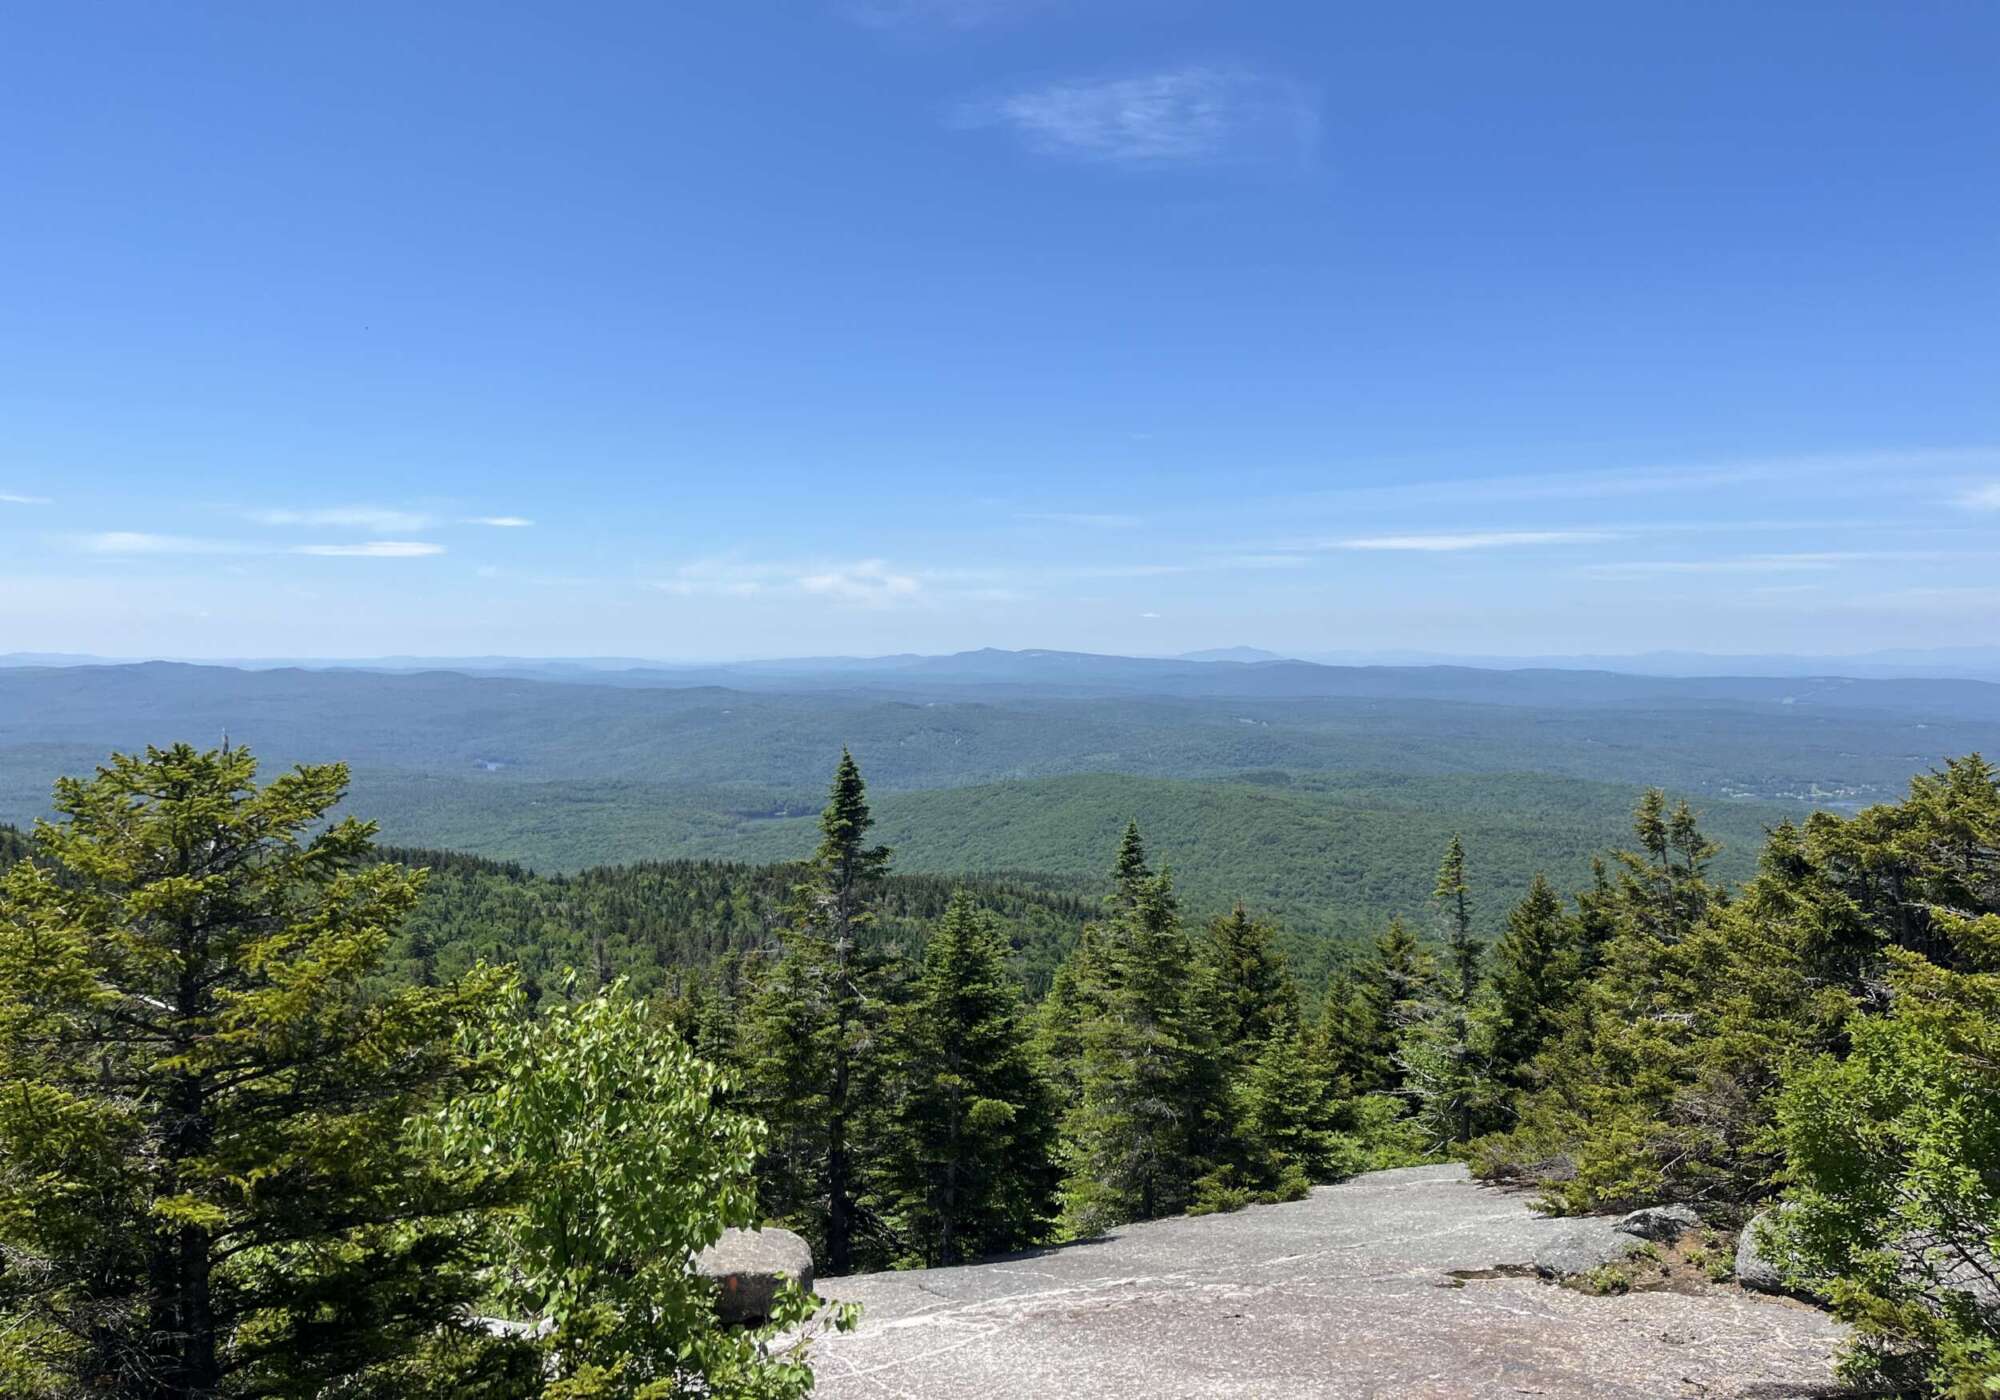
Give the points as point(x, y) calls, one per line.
point(1986, 497)
point(381, 520)
point(8, 498)
point(501, 522)
point(1490, 539)
point(1849, 471)
point(1191, 115)
point(1261, 561)
point(867, 581)
point(871, 581)
point(372, 549)
point(133, 542)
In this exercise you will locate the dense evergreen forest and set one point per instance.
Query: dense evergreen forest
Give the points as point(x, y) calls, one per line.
point(656, 923)
point(908, 1072)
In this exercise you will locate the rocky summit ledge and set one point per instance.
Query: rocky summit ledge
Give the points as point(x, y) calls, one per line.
point(1405, 1284)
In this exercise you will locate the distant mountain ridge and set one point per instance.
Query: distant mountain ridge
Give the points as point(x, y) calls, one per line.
point(993, 675)
point(1946, 663)
point(1246, 655)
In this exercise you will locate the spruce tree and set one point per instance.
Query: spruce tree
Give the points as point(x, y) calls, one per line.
point(208, 1185)
point(1894, 1152)
point(1397, 976)
point(1291, 1109)
point(1071, 1004)
point(1077, 991)
point(811, 1041)
point(1247, 990)
point(1661, 1082)
point(1130, 873)
point(1444, 1069)
point(966, 1159)
point(1537, 965)
point(1150, 1082)
point(1454, 897)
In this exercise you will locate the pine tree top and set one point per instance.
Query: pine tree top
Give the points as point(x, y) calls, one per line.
point(1130, 872)
point(1451, 871)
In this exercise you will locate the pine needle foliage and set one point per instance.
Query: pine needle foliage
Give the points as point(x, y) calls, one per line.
point(811, 1045)
point(208, 1185)
point(967, 1151)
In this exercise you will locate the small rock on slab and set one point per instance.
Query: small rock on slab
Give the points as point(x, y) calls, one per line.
point(749, 1267)
point(1661, 1224)
point(1591, 1244)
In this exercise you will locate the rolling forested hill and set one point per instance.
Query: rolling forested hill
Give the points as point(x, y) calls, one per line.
point(1334, 853)
point(1318, 794)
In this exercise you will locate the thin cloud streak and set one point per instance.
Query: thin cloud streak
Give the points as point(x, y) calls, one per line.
point(10, 499)
point(381, 520)
point(1195, 115)
point(133, 543)
point(374, 549)
point(1492, 539)
point(868, 581)
point(871, 581)
point(1619, 482)
point(1261, 561)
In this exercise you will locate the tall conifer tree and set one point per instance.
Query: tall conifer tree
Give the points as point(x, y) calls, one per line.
point(967, 1163)
point(207, 1182)
point(1443, 1068)
point(1454, 897)
point(1250, 993)
point(1537, 966)
point(812, 1039)
point(1397, 975)
point(1150, 1083)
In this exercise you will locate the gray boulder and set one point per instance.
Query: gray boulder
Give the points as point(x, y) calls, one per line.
point(1754, 1268)
point(1930, 1264)
point(1940, 1268)
point(1661, 1224)
point(749, 1267)
point(1591, 1244)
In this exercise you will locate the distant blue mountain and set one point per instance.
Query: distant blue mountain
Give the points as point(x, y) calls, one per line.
point(1246, 655)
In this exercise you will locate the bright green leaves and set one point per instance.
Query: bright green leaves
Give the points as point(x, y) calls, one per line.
point(625, 1168)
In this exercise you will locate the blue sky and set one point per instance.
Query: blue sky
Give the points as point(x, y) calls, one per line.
point(709, 330)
